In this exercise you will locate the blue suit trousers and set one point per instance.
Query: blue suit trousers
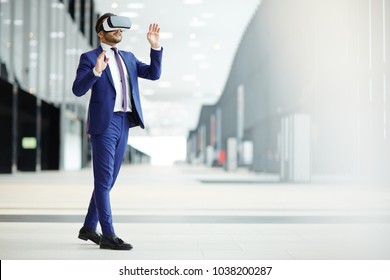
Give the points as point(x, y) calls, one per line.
point(108, 149)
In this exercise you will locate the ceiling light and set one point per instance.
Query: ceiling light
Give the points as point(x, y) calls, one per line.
point(197, 22)
point(18, 22)
point(199, 56)
point(129, 14)
point(192, 2)
point(192, 36)
point(57, 5)
point(135, 6)
point(53, 76)
point(33, 55)
point(54, 35)
point(114, 5)
point(217, 46)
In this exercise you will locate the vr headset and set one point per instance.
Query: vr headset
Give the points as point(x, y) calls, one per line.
point(113, 23)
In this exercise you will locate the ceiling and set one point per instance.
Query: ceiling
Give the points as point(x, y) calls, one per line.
point(200, 38)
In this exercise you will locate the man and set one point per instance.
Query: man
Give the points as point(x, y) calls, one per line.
point(114, 107)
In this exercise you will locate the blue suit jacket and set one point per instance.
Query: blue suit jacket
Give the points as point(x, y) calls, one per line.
point(101, 105)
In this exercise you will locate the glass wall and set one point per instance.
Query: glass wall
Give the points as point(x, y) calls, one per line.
point(41, 42)
point(40, 46)
point(5, 36)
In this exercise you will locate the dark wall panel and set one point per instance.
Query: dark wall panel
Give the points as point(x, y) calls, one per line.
point(50, 137)
point(27, 128)
point(5, 127)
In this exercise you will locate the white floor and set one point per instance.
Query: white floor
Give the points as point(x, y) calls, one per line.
point(195, 213)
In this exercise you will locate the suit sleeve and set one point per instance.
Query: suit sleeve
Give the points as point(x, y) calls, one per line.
point(152, 71)
point(85, 77)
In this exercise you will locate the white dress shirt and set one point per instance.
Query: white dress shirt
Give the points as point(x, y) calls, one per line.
point(112, 64)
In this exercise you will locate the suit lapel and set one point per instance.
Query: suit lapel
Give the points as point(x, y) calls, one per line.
point(128, 67)
point(107, 71)
point(126, 61)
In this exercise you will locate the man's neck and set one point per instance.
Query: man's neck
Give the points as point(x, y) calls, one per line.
point(107, 46)
point(112, 45)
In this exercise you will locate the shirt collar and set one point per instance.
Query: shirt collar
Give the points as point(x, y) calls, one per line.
point(106, 47)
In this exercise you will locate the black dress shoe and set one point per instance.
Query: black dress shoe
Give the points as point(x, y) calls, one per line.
point(88, 234)
point(114, 243)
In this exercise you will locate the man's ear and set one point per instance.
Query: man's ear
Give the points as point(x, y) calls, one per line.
point(100, 34)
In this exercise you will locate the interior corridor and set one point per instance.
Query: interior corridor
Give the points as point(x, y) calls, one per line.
point(195, 213)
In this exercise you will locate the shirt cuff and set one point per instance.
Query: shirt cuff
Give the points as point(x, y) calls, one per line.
point(157, 49)
point(96, 73)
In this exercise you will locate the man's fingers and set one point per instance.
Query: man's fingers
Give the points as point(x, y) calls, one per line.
point(102, 54)
point(153, 27)
point(102, 57)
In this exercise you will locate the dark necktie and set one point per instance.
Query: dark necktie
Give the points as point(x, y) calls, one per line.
point(123, 79)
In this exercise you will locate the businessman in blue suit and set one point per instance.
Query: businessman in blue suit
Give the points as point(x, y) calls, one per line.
point(112, 76)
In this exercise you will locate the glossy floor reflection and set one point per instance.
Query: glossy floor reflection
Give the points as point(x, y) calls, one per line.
point(197, 213)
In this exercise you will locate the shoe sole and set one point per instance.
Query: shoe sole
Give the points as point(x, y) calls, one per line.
point(116, 248)
point(87, 238)
point(83, 237)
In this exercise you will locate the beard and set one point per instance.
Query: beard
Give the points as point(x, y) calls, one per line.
point(109, 37)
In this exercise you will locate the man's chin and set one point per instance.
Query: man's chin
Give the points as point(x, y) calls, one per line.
point(114, 40)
